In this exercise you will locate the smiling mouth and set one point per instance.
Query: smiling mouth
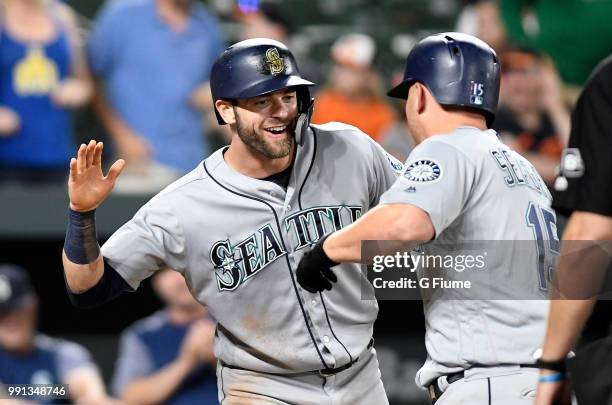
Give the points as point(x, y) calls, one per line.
point(276, 130)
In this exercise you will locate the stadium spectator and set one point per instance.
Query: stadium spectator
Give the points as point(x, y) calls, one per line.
point(482, 19)
point(543, 25)
point(532, 118)
point(29, 357)
point(151, 59)
point(353, 93)
point(42, 76)
point(271, 21)
point(168, 357)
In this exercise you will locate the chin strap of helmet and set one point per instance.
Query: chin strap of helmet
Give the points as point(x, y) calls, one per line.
point(303, 122)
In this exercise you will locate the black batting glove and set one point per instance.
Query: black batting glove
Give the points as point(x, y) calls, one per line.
point(314, 270)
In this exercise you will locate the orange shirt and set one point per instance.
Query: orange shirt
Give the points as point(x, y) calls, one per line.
point(372, 117)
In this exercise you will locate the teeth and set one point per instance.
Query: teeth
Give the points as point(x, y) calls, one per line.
point(276, 129)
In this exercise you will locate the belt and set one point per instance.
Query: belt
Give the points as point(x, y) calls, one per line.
point(325, 372)
point(434, 389)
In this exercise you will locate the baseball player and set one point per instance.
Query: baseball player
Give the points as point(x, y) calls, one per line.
point(236, 227)
point(460, 184)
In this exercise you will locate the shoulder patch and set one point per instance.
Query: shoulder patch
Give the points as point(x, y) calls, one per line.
point(572, 165)
point(395, 164)
point(423, 170)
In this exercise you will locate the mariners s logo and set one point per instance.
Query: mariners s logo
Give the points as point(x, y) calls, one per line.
point(235, 264)
point(274, 62)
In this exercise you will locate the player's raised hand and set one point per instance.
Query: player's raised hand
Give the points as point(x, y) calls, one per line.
point(87, 185)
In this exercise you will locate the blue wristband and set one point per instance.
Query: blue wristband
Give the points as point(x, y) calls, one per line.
point(549, 378)
point(81, 243)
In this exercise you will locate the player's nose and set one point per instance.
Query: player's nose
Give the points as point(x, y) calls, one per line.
point(279, 109)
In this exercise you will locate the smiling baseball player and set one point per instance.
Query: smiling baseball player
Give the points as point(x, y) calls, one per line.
point(236, 227)
point(460, 184)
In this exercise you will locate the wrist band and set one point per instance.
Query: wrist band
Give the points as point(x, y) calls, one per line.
point(548, 378)
point(81, 243)
point(556, 365)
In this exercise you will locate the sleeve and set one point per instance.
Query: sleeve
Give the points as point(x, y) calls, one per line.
point(586, 167)
point(70, 357)
point(133, 362)
point(104, 39)
point(386, 170)
point(151, 241)
point(437, 178)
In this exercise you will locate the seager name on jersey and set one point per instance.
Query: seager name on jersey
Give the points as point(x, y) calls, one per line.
point(519, 172)
point(236, 263)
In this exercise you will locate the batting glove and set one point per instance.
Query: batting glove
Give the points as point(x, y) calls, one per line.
point(314, 270)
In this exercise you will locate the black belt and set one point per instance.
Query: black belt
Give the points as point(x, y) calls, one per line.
point(325, 372)
point(435, 392)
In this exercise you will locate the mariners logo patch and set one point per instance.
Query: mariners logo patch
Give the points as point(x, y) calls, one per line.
point(423, 170)
point(274, 62)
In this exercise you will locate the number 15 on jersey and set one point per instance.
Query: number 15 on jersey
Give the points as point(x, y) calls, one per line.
point(543, 223)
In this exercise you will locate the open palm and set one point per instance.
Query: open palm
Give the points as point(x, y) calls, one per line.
point(87, 185)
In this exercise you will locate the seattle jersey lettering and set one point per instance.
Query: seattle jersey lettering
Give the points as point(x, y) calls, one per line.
point(236, 263)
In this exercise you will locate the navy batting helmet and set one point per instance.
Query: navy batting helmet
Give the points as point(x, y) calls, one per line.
point(458, 69)
point(255, 67)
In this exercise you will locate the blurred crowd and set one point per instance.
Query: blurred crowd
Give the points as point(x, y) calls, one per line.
point(165, 358)
point(142, 67)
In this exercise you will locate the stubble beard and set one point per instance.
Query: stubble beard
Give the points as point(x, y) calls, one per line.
point(271, 149)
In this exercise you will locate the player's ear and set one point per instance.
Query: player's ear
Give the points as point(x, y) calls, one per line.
point(421, 98)
point(226, 110)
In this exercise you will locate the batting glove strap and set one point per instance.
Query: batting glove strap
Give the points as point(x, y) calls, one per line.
point(314, 270)
point(320, 255)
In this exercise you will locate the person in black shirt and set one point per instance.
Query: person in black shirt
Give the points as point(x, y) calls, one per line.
point(583, 189)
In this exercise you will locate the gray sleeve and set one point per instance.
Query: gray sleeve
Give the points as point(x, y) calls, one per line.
point(386, 171)
point(150, 241)
point(133, 362)
point(437, 178)
point(71, 356)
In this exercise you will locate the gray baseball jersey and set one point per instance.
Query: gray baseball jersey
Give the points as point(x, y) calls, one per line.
point(475, 188)
point(238, 240)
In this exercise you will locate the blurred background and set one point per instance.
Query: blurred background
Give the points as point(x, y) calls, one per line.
point(133, 73)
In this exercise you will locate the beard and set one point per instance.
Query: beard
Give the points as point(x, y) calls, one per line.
point(270, 148)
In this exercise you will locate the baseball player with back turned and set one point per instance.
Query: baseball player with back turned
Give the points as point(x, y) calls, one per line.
point(460, 184)
point(236, 227)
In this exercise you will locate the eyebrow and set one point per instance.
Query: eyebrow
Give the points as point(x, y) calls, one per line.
point(264, 96)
